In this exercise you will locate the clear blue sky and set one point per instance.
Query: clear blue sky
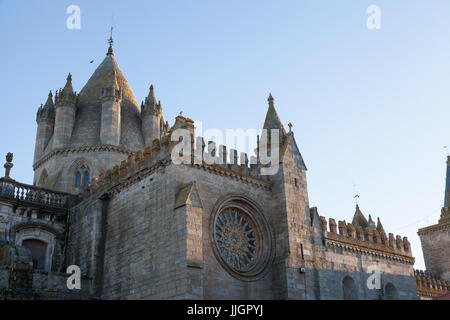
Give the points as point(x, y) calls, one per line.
point(369, 107)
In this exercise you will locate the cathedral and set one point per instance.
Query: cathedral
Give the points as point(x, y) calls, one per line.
point(108, 198)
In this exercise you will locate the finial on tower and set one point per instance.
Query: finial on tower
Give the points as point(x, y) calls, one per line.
point(290, 126)
point(111, 42)
point(356, 196)
point(270, 99)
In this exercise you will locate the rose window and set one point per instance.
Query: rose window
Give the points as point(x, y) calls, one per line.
point(236, 239)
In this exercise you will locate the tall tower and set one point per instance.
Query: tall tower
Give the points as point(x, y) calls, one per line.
point(290, 212)
point(65, 115)
point(45, 119)
point(93, 130)
point(445, 212)
point(151, 115)
point(435, 239)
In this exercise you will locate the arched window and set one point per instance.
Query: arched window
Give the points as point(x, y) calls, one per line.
point(350, 290)
point(391, 292)
point(82, 176)
point(38, 250)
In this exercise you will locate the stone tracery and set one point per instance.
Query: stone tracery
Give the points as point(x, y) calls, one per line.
point(235, 239)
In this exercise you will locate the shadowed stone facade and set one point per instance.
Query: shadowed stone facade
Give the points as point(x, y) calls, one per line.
point(141, 226)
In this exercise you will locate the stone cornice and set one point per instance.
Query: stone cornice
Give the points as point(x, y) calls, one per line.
point(362, 247)
point(436, 227)
point(239, 176)
point(145, 172)
point(51, 154)
point(125, 183)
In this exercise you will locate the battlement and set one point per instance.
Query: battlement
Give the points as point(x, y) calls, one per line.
point(429, 286)
point(219, 160)
point(348, 234)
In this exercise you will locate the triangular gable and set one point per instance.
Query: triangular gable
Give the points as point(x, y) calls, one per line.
point(188, 195)
point(290, 142)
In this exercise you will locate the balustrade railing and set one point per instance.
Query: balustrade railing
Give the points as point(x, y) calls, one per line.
point(23, 192)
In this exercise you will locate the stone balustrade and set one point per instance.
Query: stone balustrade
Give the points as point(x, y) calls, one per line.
point(13, 190)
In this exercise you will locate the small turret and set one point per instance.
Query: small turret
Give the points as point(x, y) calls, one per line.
point(45, 119)
point(151, 115)
point(65, 101)
point(47, 111)
point(111, 98)
point(379, 226)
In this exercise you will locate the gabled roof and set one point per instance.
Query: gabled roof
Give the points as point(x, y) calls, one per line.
point(188, 195)
point(290, 141)
point(359, 219)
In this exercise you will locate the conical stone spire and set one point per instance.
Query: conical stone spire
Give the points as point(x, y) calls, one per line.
point(68, 87)
point(46, 111)
point(49, 102)
point(272, 120)
point(89, 108)
point(151, 99)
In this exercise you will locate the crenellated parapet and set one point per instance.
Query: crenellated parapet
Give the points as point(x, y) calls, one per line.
point(368, 239)
point(137, 165)
point(215, 160)
point(429, 286)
